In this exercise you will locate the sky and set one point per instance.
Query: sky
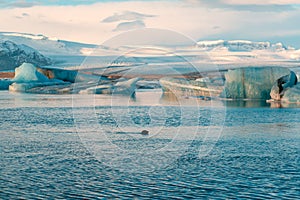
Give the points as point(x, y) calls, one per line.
point(92, 21)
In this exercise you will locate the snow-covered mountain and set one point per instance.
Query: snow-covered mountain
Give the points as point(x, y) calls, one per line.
point(241, 45)
point(13, 55)
point(47, 45)
point(221, 52)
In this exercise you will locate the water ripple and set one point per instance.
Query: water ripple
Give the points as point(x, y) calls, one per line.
point(43, 157)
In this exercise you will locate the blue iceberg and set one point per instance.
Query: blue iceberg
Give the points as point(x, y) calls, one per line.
point(252, 82)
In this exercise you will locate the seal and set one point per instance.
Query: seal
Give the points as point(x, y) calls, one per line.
point(145, 132)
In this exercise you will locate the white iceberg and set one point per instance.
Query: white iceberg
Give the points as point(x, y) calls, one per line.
point(202, 88)
point(100, 89)
point(26, 87)
point(123, 87)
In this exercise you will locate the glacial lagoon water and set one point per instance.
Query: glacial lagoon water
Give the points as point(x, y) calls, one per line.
point(89, 147)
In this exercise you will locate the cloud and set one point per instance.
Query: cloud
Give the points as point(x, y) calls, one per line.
point(195, 20)
point(149, 37)
point(248, 5)
point(126, 26)
point(18, 4)
point(23, 15)
point(260, 2)
point(31, 3)
point(126, 16)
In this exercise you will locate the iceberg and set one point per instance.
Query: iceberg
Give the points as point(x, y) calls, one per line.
point(252, 82)
point(69, 75)
point(101, 89)
point(148, 84)
point(126, 87)
point(27, 77)
point(28, 73)
point(30, 79)
point(123, 87)
point(292, 95)
point(283, 84)
point(27, 87)
point(201, 87)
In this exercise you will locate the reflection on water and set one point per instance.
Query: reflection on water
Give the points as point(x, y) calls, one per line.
point(169, 97)
point(246, 103)
point(259, 104)
point(142, 97)
point(178, 99)
point(284, 105)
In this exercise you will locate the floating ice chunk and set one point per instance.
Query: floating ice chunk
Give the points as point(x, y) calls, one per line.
point(26, 87)
point(28, 73)
point(69, 75)
point(292, 95)
point(126, 87)
point(282, 84)
point(252, 82)
point(101, 89)
point(27, 77)
point(204, 80)
point(187, 87)
point(147, 84)
point(52, 88)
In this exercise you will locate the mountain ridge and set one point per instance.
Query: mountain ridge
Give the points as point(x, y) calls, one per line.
point(242, 45)
point(47, 45)
point(13, 55)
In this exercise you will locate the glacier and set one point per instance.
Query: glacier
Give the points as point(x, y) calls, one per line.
point(48, 46)
point(240, 45)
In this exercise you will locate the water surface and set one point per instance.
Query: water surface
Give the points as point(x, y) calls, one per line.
point(48, 152)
